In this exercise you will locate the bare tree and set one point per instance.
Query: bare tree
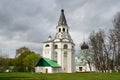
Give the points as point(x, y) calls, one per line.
point(112, 43)
point(106, 49)
point(100, 50)
point(115, 40)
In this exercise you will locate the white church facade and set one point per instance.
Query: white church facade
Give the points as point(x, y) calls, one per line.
point(58, 52)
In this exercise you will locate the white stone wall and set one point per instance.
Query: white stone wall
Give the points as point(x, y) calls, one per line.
point(70, 56)
point(56, 70)
point(48, 51)
point(39, 69)
point(50, 70)
point(73, 61)
point(43, 69)
point(83, 69)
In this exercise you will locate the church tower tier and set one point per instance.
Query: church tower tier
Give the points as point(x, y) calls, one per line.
point(62, 33)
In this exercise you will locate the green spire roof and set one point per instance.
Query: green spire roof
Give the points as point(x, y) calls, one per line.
point(45, 62)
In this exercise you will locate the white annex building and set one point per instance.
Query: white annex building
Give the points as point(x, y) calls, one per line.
point(58, 53)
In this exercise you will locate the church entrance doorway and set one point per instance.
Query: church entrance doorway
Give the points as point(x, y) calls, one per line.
point(80, 69)
point(46, 70)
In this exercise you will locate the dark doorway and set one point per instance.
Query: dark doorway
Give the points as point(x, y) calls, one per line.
point(80, 69)
point(46, 70)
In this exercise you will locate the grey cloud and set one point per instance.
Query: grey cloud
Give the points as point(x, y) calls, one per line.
point(70, 5)
point(93, 12)
point(24, 16)
point(34, 20)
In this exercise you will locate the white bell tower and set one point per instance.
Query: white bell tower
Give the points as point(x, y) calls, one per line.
point(64, 45)
point(61, 48)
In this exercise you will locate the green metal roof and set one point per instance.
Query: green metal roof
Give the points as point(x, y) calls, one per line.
point(83, 54)
point(81, 63)
point(45, 62)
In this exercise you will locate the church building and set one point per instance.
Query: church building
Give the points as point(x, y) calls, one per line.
point(58, 52)
point(84, 61)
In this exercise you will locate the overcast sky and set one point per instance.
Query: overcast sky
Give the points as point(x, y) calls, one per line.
point(30, 22)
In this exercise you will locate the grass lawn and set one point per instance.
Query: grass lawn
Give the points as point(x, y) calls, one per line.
point(60, 76)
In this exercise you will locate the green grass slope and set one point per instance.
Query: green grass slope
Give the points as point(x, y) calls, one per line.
point(60, 76)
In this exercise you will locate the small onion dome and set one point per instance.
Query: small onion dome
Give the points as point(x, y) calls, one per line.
point(84, 46)
point(49, 38)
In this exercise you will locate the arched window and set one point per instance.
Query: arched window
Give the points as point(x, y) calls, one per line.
point(65, 46)
point(56, 46)
point(59, 30)
point(63, 29)
point(47, 45)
